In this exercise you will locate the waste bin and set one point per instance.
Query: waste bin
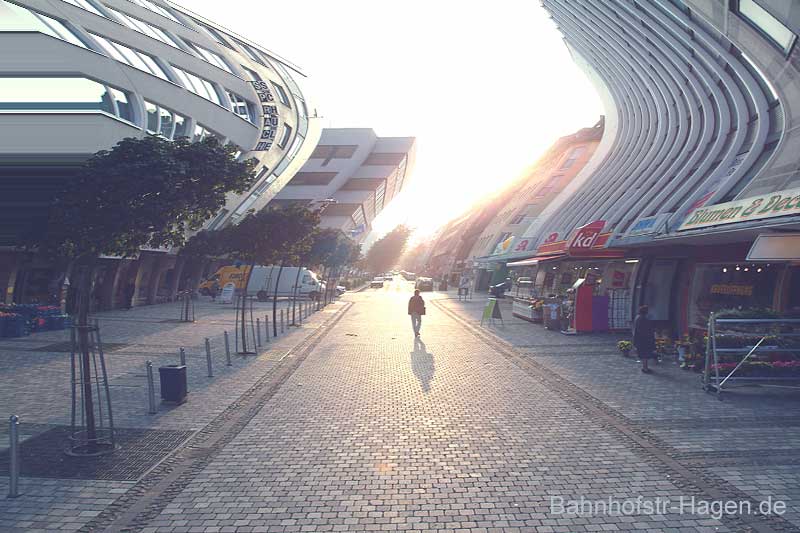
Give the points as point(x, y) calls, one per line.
point(173, 383)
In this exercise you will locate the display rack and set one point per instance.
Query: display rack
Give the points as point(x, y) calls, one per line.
point(773, 340)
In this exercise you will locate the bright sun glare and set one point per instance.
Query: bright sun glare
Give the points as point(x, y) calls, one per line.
point(484, 90)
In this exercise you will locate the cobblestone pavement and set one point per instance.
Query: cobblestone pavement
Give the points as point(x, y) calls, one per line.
point(34, 373)
point(358, 427)
point(751, 439)
point(377, 432)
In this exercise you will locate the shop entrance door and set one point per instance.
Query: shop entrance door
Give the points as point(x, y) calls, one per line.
point(657, 289)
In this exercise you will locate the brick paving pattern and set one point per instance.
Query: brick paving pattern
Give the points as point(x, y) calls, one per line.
point(35, 387)
point(363, 429)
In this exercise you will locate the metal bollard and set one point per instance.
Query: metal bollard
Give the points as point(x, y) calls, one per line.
point(151, 389)
point(258, 332)
point(282, 324)
point(183, 356)
point(13, 455)
point(300, 313)
point(266, 326)
point(227, 350)
point(208, 358)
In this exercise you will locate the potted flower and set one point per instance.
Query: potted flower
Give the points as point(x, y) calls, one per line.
point(625, 347)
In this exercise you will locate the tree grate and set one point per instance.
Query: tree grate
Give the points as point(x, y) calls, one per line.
point(42, 456)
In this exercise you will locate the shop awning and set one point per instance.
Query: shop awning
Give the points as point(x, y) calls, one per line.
point(532, 261)
point(775, 247)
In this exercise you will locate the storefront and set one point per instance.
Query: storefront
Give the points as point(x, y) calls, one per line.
point(578, 287)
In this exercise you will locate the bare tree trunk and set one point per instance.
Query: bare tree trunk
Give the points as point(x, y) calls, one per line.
point(294, 294)
point(84, 300)
point(275, 301)
point(244, 306)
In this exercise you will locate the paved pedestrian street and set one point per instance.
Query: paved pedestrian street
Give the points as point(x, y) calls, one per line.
point(355, 425)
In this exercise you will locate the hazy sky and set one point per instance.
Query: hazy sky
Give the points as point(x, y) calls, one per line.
point(485, 87)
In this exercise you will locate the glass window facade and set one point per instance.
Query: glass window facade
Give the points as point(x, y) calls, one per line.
point(61, 95)
point(286, 134)
point(282, 96)
point(151, 110)
point(147, 29)
point(201, 132)
point(211, 57)
point(199, 86)
point(726, 286)
point(155, 8)
point(161, 121)
point(769, 25)
point(18, 18)
point(252, 75)
point(131, 57)
point(241, 107)
point(124, 109)
point(214, 34)
point(85, 4)
point(251, 53)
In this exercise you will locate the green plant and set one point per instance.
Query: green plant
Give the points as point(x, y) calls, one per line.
point(625, 346)
point(751, 312)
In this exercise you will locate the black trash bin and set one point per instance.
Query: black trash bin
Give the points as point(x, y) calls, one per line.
point(173, 383)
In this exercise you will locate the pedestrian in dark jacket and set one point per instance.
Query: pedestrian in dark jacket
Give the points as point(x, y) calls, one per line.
point(644, 337)
point(416, 308)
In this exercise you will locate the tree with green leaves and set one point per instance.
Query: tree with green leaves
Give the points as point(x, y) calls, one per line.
point(323, 245)
point(145, 192)
point(270, 236)
point(345, 253)
point(386, 251)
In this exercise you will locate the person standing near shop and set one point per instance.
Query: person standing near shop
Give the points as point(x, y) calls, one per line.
point(644, 338)
point(416, 308)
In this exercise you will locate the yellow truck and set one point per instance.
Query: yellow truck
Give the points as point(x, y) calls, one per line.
point(262, 281)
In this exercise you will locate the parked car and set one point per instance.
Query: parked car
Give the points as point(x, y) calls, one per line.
point(424, 284)
point(376, 283)
point(340, 289)
point(388, 277)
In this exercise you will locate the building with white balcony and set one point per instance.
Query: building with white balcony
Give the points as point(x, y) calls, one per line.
point(352, 175)
point(86, 73)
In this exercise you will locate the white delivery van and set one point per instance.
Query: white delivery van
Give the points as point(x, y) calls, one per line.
point(263, 279)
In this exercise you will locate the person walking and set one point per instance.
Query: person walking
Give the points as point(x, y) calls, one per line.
point(644, 338)
point(416, 308)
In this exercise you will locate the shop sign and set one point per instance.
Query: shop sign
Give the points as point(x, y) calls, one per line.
point(553, 237)
point(648, 225)
point(503, 246)
point(732, 290)
point(522, 245)
point(770, 205)
point(270, 113)
point(585, 238)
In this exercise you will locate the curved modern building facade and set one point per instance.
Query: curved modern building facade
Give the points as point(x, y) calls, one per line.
point(86, 73)
point(702, 106)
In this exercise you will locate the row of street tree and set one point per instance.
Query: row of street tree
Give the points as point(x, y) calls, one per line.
point(155, 193)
